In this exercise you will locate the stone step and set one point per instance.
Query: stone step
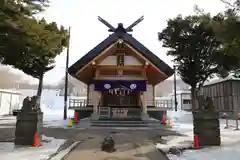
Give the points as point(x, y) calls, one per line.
point(125, 123)
point(118, 125)
point(109, 123)
point(129, 125)
point(133, 122)
point(122, 121)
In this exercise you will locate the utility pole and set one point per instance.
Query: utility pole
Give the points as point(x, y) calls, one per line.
point(175, 88)
point(66, 78)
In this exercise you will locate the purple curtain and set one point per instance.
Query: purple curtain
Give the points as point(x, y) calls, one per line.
point(104, 85)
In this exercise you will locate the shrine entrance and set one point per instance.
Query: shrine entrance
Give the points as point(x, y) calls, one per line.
point(122, 103)
point(120, 98)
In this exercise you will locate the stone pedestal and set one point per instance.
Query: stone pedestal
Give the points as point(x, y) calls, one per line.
point(144, 116)
point(206, 127)
point(94, 116)
point(28, 123)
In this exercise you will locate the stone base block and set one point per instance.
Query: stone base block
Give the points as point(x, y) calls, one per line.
point(26, 126)
point(94, 116)
point(206, 127)
point(144, 116)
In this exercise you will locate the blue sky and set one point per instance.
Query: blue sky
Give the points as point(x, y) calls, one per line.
point(87, 31)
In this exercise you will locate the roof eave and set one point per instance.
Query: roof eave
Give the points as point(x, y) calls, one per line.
point(131, 41)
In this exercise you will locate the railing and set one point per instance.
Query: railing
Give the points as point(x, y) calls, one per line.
point(82, 103)
point(163, 104)
point(78, 103)
point(104, 112)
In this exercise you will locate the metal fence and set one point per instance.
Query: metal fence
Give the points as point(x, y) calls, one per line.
point(77, 103)
point(163, 103)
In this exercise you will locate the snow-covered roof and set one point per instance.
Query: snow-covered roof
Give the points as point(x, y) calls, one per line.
point(219, 80)
point(9, 91)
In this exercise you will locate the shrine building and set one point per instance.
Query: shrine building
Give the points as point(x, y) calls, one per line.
point(121, 75)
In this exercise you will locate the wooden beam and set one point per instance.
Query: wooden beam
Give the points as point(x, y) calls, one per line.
point(144, 74)
point(146, 65)
point(135, 51)
point(86, 74)
point(132, 53)
point(108, 67)
point(100, 59)
point(97, 73)
point(102, 53)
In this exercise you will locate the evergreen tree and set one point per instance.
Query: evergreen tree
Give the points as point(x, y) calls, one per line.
point(29, 44)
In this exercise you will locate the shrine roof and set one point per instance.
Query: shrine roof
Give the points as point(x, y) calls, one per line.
point(130, 40)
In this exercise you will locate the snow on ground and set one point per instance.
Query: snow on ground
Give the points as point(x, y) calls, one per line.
point(7, 119)
point(182, 122)
point(9, 152)
point(52, 106)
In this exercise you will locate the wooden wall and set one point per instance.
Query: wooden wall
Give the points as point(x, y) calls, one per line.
point(225, 95)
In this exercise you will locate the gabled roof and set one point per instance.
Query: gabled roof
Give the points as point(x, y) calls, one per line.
point(120, 33)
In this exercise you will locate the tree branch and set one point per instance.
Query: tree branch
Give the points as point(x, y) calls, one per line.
point(228, 3)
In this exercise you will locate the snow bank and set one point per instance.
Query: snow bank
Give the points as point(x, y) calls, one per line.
point(52, 104)
point(9, 152)
point(178, 142)
point(54, 111)
point(182, 122)
point(7, 119)
point(180, 116)
point(220, 153)
point(228, 150)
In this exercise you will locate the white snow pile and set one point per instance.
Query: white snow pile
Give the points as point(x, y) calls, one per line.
point(52, 106)
point(182, 122)
point(172, 141)
point(7, 120)
point(54, 110)
point(9, 152)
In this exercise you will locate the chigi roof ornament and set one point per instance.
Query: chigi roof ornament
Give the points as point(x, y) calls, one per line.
point(120, 25)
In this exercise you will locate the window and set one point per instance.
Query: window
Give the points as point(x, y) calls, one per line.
point(186, 101)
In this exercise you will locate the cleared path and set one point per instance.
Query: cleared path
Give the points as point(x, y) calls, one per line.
point(130, 145)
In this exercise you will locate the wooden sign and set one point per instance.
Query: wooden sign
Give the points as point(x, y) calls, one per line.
point(120, 91)
point(120, 112)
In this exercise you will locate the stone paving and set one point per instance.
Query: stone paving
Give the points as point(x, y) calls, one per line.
point(130, 145)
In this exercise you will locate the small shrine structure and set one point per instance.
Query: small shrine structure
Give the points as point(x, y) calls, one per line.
point(121, 75)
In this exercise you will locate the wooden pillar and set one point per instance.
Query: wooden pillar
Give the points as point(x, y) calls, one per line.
point(94, 101)
point(153, 98)
point(143, 99)
point(87, 94)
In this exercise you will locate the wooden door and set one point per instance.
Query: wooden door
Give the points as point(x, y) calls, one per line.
point(115, 100)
